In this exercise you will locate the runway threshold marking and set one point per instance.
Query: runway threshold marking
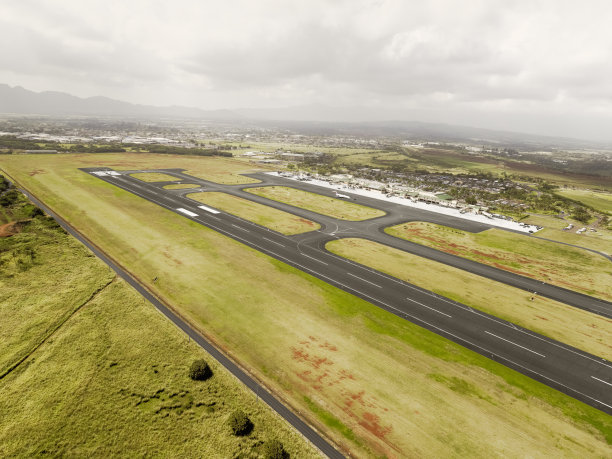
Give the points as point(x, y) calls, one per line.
point(273, 242)
point(209, 209)
point(429, 307)
point(512, 342)
point(601, 380)
point(362, 279)
point(187, 212)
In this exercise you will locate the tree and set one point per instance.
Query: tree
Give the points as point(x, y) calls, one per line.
point(200, 370)
point(240, 423)
point(581, 214)
point(274, 449)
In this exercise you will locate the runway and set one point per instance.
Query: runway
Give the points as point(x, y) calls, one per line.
point(581, 375)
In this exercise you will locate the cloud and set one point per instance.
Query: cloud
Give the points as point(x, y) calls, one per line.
point(439, 56)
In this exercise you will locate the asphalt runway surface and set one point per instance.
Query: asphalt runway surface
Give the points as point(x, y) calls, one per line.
point(574, 372)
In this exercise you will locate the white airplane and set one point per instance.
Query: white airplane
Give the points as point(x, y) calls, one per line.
point(343, 196)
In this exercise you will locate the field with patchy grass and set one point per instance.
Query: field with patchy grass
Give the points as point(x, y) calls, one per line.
point(324, 205)
point(557, 264)
point(181, 186)
point(599, 201)
point(269, 217)
point(575, 327)
point(375, 383)
point(152, 177)
point(215, 169)
point(88, 369)
point(553, 229)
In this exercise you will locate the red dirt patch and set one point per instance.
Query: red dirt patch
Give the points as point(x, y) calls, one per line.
point(308, 222)
point(10, 229)
point(36, 172)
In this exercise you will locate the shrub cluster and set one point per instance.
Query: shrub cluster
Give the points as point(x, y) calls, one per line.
point(274, 449)
point(200, 370)
point(240, 423)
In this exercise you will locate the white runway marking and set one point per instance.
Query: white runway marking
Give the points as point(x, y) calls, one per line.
point(511, 342)
point(240, 228)
point(601, 380)
point(209, 209)
point(313, 258)
point(362, 279)
point(429, 307)
point(273, 242)
point(187, 212)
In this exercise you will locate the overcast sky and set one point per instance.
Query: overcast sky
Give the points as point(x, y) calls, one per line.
point(533, 66)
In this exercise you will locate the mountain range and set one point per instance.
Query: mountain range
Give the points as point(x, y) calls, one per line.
point(315, 119)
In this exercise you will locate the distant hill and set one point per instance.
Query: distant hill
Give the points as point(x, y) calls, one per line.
point(314, 119)
point(22, 101)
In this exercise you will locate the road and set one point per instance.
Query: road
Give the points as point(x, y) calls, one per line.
point(581, 375)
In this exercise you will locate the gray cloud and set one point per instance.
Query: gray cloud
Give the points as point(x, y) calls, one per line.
point(489, 61)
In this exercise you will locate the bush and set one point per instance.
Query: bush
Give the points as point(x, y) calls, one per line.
point(200, 370)
point(274, 449)
point(240, 423)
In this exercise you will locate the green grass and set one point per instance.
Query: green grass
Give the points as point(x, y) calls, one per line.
point(269, 217)
point(576, 327)
point(365, 367)
point(558, 264)
point(103, 374)
point(324, 205)
point(154, 177)
point(181, 186)
point(599, 201)
point(553, 229)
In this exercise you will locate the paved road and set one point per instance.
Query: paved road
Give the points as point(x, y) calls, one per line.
point(581, 375)
point(322, 444)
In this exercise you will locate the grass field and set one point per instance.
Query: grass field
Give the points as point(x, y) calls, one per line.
point(215, 169)
point(102, 373)
point(375, 383)
point(324, 205)
point(154, 177)
point(269, 217)
point(599, 201)
point(553, 229)
point(554, 263)
point(575, 327)
point(181, 186)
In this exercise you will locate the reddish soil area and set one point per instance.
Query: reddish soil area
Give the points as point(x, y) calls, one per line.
point(10, 229)
point(308, 222)
point(321, 373)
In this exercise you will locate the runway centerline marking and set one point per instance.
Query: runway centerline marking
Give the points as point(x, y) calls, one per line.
point(313, 258)
point(512, 342)
point(601, 380)
point(429, 307)
point(362, 279)
point(273, 242)
point(240, 228)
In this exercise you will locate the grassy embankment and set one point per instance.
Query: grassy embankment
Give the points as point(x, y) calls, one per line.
point(374, 382)
point(557, 264)
point(575, 327)
point(599, 201)
point(277, 220)
point(87, 368)
point(324, 205)
point(553, 229)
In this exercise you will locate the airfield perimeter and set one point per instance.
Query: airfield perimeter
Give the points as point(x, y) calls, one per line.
point(581, 375)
